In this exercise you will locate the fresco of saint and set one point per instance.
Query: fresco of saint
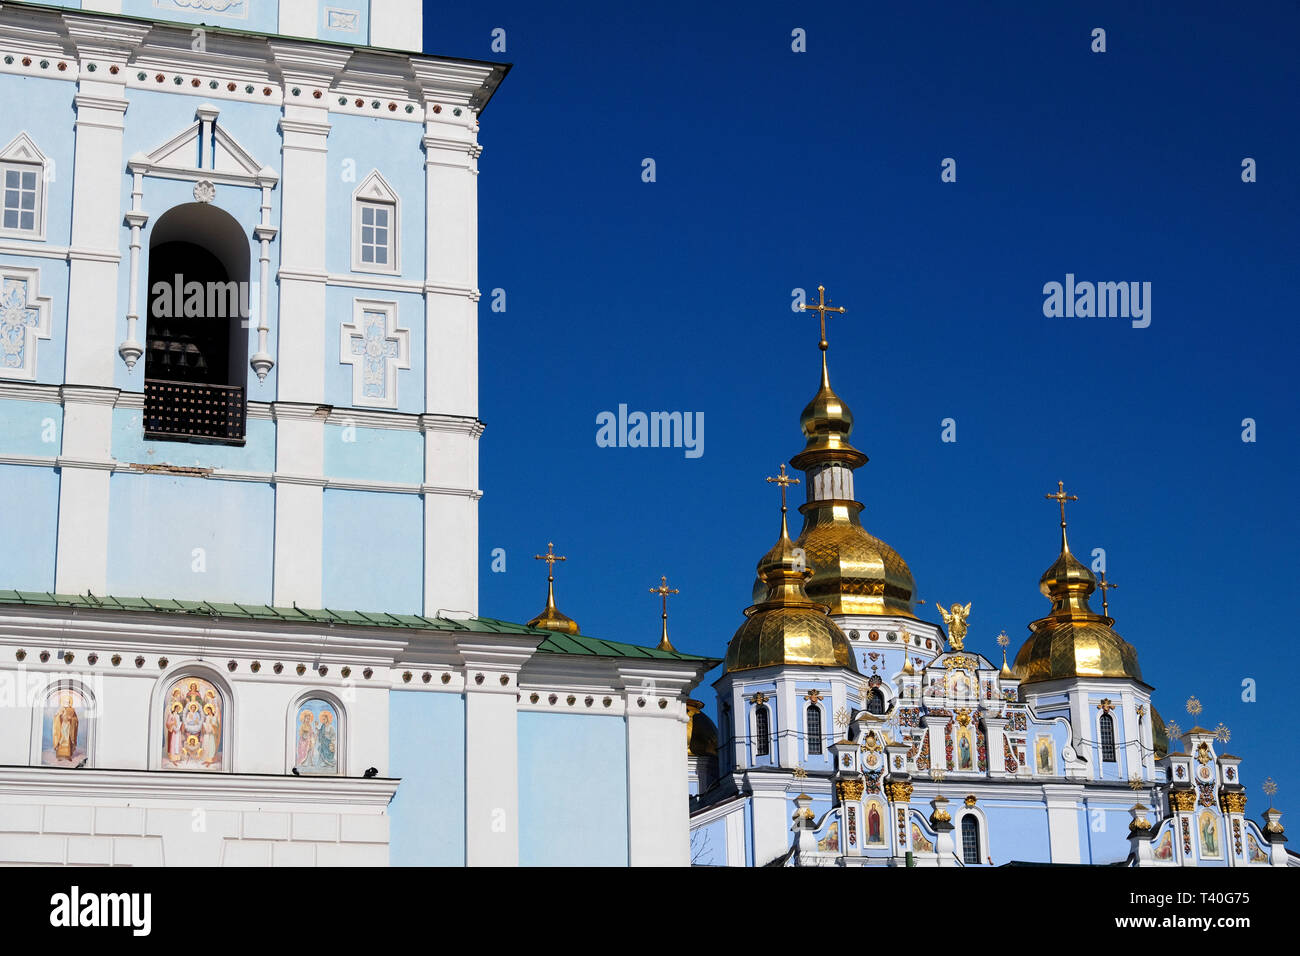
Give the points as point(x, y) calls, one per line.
point(64, 731)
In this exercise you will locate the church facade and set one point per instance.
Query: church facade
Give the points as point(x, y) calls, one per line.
point(239, 616)
point(852, 733)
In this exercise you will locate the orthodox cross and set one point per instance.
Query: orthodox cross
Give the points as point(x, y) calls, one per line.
point(550, 557)
point(783, 480)
point(1061, 498)
point(821, 308)
point(1105, 586)
point(663, 590)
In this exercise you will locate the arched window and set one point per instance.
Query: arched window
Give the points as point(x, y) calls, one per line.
point(970, 839)
point(814, 729)
point(194, 723)
point(197, 328)
point(316, 741)
point(875, 702)
point(1107, 729)
point(66, 726)
point(763, 730)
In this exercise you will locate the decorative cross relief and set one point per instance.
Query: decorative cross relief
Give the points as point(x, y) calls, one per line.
point(24, 318)
point(375, 348)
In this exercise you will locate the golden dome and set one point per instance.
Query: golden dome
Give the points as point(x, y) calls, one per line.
point(1073, 640)
point(701, 734)
point(551, 619)
point(853, 571)
point(826, 423)
point(787, 627)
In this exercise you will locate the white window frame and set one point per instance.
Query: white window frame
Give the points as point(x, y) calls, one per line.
point(22, 155)
point(374, 192)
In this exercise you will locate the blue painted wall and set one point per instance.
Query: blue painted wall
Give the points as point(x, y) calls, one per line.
point(381, 454)
point(52, 283)
point(258, 453)
point(572, 790)
point(155, 522)
point(31, 526)
point(30, 428)
point(340, 307)
point(426, 749)
point(373, 551)
point(1016, 831)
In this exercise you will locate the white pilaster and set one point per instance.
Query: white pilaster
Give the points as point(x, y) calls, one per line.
point(771, 821)
point(657, 801)
point(492, 748)
point(1063, 805)
point(299, 504)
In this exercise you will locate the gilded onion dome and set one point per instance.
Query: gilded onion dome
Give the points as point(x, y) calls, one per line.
point(701, 734)
point(786, 627)
point(1073, 640)
point(551, 619)
point(853, 571)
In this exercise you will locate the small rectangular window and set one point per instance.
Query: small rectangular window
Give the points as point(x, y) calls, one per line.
point(375, 238)
point(20, 204)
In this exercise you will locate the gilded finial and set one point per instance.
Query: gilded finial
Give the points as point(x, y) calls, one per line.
point(1222, 734)
point(1269, 786)
point(1194, 706)
point(1061, 498)
point(783, 481)
point(551, 619)
point(1105, 586)
point(1003, 641)
point(663, 590)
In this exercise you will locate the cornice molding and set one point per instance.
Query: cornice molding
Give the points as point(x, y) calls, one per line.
point(196, 787)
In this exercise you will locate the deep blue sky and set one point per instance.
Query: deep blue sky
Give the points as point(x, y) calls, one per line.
point(778, 170)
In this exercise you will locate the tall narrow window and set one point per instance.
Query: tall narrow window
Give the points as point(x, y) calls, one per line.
point(375, 226)
point(970, 839)
point(875, 702)
point(763, 730)
point(1107, 724)
point(814, 729)
point(22, 189)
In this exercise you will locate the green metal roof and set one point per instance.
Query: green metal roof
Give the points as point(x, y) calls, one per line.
point(577, 644)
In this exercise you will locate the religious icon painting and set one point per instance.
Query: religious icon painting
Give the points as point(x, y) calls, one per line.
point(66, 725)
point(1045, 756)
point(194, 715)
point(315, 744)
point(1253, 850)
point(1165, 848)
point(919, 842)
point(1211, 842)
point(875, 824)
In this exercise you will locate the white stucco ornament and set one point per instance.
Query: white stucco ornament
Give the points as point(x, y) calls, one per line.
point(204, 191)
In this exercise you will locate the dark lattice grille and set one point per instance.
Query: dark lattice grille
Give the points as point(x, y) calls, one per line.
point(814, 729)
point(1107, 738)
point(970, 839)
point(194, 412)
point(764, 731)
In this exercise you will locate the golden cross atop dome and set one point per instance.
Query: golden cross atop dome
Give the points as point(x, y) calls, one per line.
point(1061, 498)
point(783, 480)
point(821, 308)
point(663, 590)
point(1105, 586)
point(550, 557)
